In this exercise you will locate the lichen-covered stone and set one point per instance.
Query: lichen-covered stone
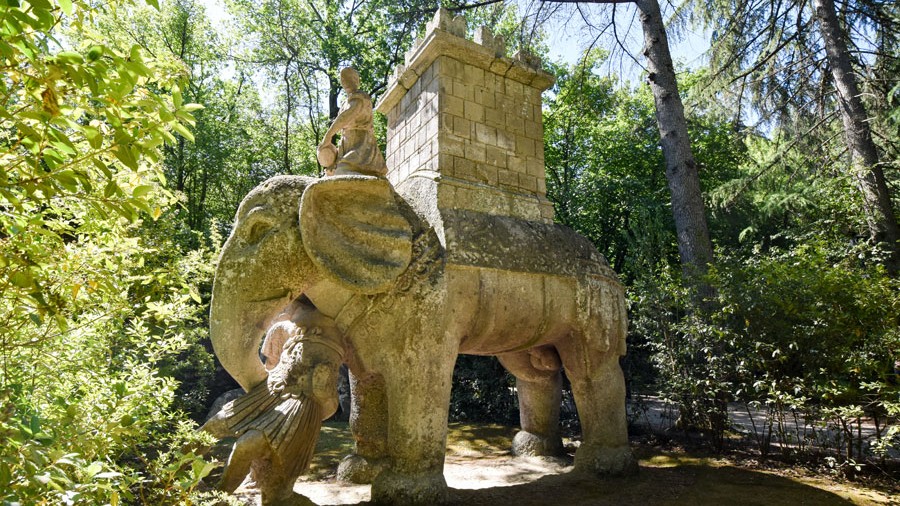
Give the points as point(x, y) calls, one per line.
point(454, 252)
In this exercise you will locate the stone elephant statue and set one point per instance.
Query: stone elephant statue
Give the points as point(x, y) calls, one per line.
point(408, 299)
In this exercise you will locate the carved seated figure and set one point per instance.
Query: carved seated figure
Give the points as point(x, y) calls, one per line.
point(277, 422)
point(358, 152)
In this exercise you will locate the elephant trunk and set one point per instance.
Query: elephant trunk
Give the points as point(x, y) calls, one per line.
point(237, 327)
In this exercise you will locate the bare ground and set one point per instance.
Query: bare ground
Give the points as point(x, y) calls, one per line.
point(480, 471)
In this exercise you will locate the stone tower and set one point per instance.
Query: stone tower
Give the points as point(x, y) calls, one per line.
point(465, 127)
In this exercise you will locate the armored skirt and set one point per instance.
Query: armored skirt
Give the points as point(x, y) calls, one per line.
point(290, 423)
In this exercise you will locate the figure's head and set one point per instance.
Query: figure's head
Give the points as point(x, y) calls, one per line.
point(349, 79)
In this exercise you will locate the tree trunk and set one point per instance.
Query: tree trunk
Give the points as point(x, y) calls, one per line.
point(866, 168)
point(694, 245)
point(287, 118)
point(334, 90)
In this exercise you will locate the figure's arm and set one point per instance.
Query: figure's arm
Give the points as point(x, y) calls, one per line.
point(343, 118)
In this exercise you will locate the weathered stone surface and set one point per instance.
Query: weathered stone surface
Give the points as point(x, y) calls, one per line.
point(467, 115)
point(460, 255)
point(277, 422)
point(358, 152)
point(529, 286)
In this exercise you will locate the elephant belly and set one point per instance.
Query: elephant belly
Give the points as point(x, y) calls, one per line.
point(494, 311)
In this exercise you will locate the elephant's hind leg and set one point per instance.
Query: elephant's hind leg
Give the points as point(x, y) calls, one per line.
point(599, 389)
point(539, 386)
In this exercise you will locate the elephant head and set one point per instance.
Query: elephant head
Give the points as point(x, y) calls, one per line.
point(292, 233)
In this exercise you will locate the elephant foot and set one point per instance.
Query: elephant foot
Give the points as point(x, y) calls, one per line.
point(527, 444)
point(599, 460)
point(360, 470)
point(394, 488)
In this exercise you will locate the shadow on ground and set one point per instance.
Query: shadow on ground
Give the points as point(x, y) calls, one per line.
point(688, 485)
point(480, 471)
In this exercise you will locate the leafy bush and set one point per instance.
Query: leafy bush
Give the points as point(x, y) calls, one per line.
point(483, 392)
point(808, 331)
point(90, 315)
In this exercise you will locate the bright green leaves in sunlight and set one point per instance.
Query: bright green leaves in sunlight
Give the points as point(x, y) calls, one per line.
point(83, 120)
point(81, 125)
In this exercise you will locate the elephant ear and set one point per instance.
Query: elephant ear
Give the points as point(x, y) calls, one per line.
point(355, 232)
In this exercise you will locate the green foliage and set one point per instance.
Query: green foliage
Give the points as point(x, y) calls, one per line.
point(606, 173)
point(482, 392)
point(231, 148)
point(90, 315)
point(76, 128)
point(300, 47)
point(807, 330)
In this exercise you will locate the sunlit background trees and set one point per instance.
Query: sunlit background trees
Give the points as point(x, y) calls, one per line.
point(129, 133)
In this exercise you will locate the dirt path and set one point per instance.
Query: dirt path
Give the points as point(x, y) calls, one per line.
point(480, 472)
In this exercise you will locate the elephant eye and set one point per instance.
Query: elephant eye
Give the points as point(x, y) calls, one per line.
point(257, 228)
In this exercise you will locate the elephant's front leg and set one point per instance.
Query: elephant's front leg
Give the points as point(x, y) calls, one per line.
point(539, 387)
point(369, 425)
point(418, 391)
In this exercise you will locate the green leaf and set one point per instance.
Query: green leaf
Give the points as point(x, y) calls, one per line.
point(181, 129)
point(103, 168)
point(126, 156)
point(107, 475)
point(67, 179)
point(92, 470)
point(65, 147)
point(66, 6)
point(93, 135)
point(41, 4)
point(111, 189)
point(22, 279)
point(140, 191)
point(69, 57)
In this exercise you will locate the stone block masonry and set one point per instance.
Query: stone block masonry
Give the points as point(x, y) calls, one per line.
point(465, 116)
